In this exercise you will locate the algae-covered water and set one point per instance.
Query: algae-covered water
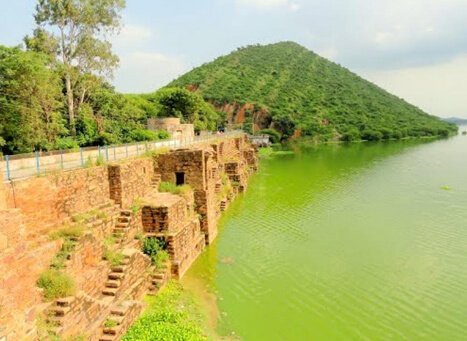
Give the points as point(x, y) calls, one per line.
point(344, 242)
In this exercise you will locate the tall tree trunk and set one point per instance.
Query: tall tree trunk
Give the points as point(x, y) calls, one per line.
point(71, 105)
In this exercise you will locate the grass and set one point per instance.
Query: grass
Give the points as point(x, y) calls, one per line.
point(169, 187)
point(109, 323)
point(136, 206)
point(70, 232)
point(156, 152)
point(100, 161)
point(114, 258)
point(84, 217)
point(160, 259)
point(56, 284)
point(171, 315)
point(70, 236)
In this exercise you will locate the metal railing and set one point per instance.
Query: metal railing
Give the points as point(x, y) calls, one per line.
point(41, 163)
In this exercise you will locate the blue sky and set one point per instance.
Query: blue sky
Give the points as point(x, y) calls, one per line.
point(416, 49)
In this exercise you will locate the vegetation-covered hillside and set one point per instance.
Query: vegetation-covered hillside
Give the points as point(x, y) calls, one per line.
point(298, 91)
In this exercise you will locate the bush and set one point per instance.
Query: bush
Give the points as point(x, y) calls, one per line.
point(161, 258)
point(163, 134)
point(152, 247)
point(144, 135)
point(56, 284)
point(372, 135)
point(274, 135)
point(351, 135)
point(66, 143)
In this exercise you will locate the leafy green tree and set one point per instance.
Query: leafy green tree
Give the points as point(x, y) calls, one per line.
point(274, 135)
point(30, 101)
point(76, 27)
point(353, 134)
point(188, 106)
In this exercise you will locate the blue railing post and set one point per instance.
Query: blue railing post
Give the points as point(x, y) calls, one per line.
point(61, 158)
point(38, 164)
point(8, 175)
point(81, 156)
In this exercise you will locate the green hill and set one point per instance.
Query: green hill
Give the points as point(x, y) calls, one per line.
point(293, 90)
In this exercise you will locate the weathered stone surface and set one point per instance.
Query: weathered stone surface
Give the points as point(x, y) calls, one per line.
point(114, 200)
point(130, 180)
point(48, 201)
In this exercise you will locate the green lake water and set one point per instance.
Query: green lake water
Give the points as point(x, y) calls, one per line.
point(345, 242)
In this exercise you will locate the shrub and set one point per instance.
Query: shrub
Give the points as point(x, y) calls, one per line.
point(163, 134)
point(143, 135)
point(372, 135)
point(161, 258)
point(56, 284)
point(66, 143)
point(152, 247)
point(274, 135)
point(351, 135)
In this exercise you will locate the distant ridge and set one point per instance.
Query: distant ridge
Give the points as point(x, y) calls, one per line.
point(293, 90)
point(456, 120)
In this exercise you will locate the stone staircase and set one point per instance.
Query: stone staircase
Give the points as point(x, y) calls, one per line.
point(115, 277)
point(223, 205)
point(56, 313)
point(218, 187)
point(156, 181)
point(120, 318)
point(122, 226)
point(158, 279)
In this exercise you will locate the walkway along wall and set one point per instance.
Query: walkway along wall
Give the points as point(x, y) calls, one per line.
point(115, 206)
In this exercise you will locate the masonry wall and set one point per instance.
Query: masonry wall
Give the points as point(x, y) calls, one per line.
point(105, 197)
point(21, 263)
point(47, 202)
point(130, 180)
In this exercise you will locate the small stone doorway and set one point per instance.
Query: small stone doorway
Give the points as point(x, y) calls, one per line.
point(179, 178)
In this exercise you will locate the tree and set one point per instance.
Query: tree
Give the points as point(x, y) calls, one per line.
point(78, 28)
point(30, 101)
point(188, 106)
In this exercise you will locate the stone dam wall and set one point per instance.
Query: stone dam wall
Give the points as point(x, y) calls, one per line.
point(115, 206)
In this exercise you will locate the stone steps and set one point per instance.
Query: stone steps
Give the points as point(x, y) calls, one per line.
point(122, 226)
point(120, 317)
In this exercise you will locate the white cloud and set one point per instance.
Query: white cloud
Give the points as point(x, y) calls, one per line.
point(438, 89)
point(132, 35)
point(146, 72)
point(270, 4)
